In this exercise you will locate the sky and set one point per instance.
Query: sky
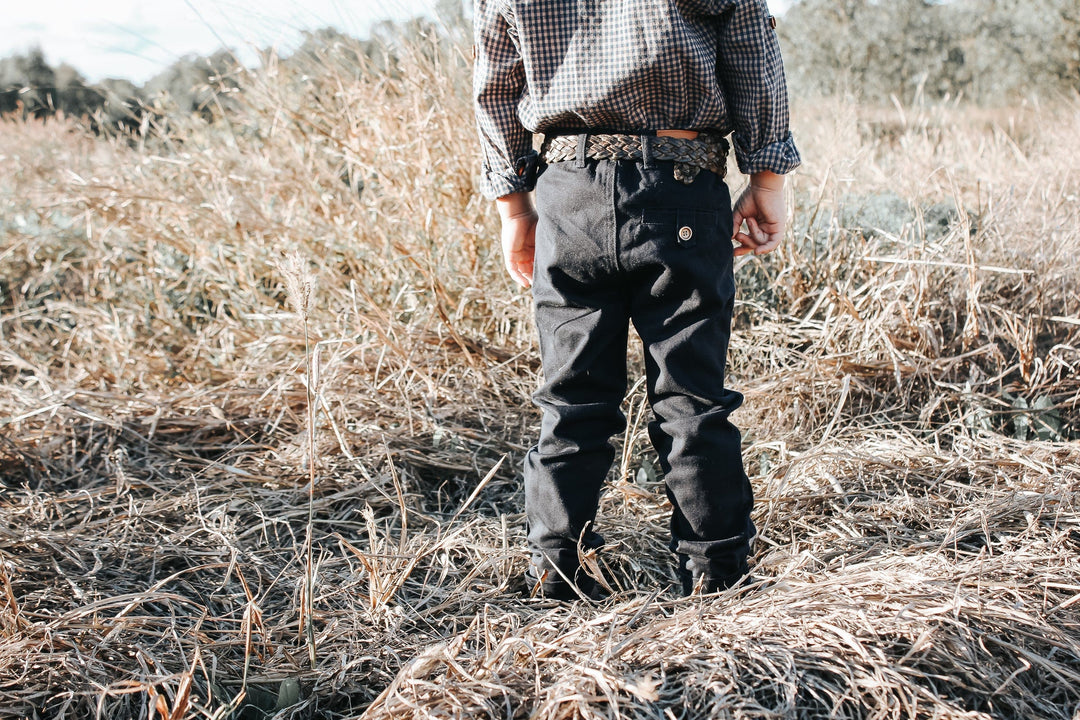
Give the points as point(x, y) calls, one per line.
point(136, 39)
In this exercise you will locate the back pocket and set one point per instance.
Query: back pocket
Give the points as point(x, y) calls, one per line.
point(684, 226)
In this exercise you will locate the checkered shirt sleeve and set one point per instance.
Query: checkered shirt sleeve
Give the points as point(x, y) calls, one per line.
point(627, 66)
point(498, 85)
point(752, 75)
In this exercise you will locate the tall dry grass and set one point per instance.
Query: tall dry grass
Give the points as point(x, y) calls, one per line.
point(909, 358)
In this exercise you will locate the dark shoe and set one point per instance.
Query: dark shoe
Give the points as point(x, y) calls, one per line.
point(710, 584)
point(564, 592)
point(558, 588)
point(691, 579)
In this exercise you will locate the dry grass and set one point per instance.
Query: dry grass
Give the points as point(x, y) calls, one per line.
point(913, 404)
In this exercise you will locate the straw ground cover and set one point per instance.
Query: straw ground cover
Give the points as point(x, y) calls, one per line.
point(909, 358)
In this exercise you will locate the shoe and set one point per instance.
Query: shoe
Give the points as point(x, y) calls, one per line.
point(564, 592)
point(559, 589)
point(708, 585)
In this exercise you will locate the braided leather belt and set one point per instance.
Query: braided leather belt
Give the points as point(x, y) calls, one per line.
point(705, 152)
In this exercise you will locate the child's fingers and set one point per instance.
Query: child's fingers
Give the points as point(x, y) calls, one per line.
point(756, 233)
point(522, 274)
point(768, 246)
point(746, 244)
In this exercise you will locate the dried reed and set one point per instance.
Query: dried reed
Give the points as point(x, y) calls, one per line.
point(909, 358)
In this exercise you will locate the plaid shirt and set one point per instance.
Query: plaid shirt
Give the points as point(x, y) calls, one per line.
point(627, 65)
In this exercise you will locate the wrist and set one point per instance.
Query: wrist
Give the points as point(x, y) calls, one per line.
point(515, 205)
point(767, 180)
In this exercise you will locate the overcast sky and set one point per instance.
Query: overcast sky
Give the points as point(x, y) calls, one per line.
point(136, 39)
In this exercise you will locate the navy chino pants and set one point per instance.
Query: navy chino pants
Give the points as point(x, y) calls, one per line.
point(620, 242)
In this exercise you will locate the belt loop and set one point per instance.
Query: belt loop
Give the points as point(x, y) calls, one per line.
point(647, 161)
point(582, 144)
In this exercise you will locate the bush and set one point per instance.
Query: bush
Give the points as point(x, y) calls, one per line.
point(991, 51)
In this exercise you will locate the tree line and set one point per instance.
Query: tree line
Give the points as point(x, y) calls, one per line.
point(31, 87)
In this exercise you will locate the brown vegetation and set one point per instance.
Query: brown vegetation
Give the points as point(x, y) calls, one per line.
point(909, 358)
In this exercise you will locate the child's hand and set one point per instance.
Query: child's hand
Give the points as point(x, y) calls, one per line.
point(762, 207)
point(519, 246)
point(518, 236)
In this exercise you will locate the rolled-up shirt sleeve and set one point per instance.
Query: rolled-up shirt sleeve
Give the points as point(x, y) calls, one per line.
point(752, 75)
point(498, 83)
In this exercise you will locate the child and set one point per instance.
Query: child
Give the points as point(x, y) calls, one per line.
point(633, 223)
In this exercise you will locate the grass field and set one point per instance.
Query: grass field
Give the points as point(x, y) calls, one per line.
point(187, 317)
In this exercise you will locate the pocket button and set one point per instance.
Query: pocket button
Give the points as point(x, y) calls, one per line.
point(685, 233)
